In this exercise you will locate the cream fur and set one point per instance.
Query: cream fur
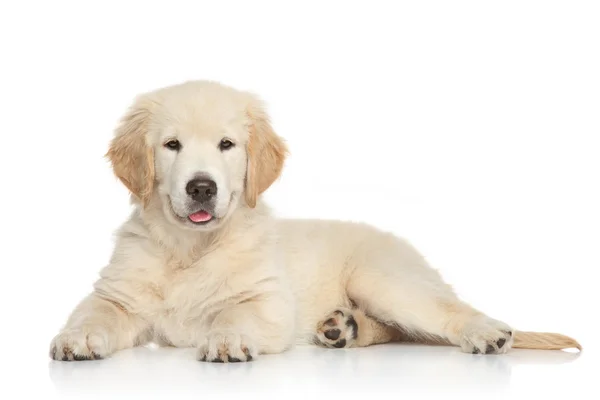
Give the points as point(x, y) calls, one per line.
point(247, 283)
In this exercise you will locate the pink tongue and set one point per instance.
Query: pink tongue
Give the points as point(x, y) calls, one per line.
point(200, 216)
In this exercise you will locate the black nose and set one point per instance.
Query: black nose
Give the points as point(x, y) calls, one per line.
point(201, 189)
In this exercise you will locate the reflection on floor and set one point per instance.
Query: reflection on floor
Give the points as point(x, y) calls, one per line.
point(385, 368)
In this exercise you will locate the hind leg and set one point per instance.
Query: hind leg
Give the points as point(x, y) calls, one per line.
point(353, 328)
point(392, 282)
point(425, 315)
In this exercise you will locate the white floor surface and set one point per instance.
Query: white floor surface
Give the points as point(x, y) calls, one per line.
point(401, 370)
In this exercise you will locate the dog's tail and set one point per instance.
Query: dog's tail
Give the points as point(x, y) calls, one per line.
point(544, 341)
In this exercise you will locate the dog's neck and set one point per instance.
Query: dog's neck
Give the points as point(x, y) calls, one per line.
point(187, 246)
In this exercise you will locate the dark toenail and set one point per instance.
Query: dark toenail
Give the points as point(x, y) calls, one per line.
point(476, 351)
point(500, 343)
point(340, 343)
point(65, 358)
point(249, 358)
point(333, 334)
point(234, 359)
point(217, 360)
point(352, 323)
point(330, 322)
point(203, 358)
point(489, 349)
point(79, 357)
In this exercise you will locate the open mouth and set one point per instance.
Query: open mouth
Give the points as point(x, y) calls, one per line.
point(200, 217)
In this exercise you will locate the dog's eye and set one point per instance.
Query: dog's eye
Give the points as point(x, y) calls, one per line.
point(173, 144)
point(225, 144)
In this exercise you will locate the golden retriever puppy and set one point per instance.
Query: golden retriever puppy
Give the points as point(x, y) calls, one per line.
point(202, 263)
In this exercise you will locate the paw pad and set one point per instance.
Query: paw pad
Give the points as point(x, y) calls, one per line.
point(338, 330)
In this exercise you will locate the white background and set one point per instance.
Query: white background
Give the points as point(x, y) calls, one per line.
point(470, 128)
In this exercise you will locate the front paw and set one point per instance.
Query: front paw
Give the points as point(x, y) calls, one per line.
point(78, 345)
point(223, 347)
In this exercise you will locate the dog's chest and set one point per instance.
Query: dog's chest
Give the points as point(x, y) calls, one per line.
point(190, 298)
point(183, 306)
point(186, 291)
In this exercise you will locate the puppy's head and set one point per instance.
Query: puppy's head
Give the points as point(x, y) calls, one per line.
point(198, 148)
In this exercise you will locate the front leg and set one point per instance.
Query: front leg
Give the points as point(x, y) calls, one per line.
point(96, 328)
point(261, 325)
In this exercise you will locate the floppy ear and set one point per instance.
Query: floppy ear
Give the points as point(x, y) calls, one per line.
point(266, 154)
point(131, 158)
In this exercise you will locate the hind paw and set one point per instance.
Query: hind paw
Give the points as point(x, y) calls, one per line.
point(487, 336)
point(338, 330)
